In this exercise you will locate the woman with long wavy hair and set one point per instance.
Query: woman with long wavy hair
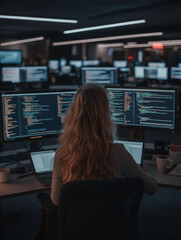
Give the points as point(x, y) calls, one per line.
point(86, 145)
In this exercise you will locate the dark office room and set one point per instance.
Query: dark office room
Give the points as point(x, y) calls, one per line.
point(90, 120)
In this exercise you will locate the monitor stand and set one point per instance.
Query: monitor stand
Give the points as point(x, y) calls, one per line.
point(35, 144)
point(131, 133)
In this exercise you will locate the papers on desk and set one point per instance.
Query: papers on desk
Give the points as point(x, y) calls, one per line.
point(176, 171)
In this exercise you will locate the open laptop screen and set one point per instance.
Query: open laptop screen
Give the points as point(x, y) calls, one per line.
point(42, 161)
point(135, 148)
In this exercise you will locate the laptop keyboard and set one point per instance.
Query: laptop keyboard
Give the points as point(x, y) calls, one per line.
point(46, 176)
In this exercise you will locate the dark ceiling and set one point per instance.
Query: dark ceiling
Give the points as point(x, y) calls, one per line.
point(160, 15)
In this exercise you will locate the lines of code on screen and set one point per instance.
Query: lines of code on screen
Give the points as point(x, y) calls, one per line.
point(26, 115)
point(141, 107)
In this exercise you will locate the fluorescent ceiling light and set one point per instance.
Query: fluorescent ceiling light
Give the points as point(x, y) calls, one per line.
point(110, 45)
point(21, 41)
point(104, 26)
point(138, 45)
point(108, 38)
point(38, 19)
point(168, 42)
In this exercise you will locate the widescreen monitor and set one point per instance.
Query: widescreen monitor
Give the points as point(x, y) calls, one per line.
point(120, 63)
point(101, 75)
point(175, 72)
point(76, 63)
point(156, 64)
point(53, 65)
point(139, 107)
point(155, 73)
point(87, 63)
point(33, 74)
point(10, 56)
point(10, 74)
point(32, 114)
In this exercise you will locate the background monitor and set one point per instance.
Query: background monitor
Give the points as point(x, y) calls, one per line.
point(33, 74)
point(179, 65)
point(63, 62)
point(157, 73)
point(155, 108)
point(156, 64)
point(87, 63)
point(66, 69)
point(10, 56)
point(76, 63)
point(26, 115)
point(101, 75)
point(10, 74)
point(175, 72)
point(120, 63)
point(53, 65)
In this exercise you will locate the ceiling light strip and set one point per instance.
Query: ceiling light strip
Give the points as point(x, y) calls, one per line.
point(110, 45)
point(21, 41)
point(38, 19)
point(105, 26)
point(108, 38)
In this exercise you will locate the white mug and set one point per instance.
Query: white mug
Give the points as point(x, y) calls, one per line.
point(163, 162)
point(4, 175)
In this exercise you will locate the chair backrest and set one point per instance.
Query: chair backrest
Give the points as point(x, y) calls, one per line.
point(100, 209)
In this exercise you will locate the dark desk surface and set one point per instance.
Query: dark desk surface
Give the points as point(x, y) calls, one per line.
point(30, 184)
point(22, 186)
point(162, 178)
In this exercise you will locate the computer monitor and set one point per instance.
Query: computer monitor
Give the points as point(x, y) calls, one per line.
point(33, 114)
point(156, 64)
point(63, 62)
point(10, 56)
point(87, 63)
point(143, 107)
point(66, 69)
point(53, 65)
point(120, 63)
point(175, 72)
point(101, 75)
point(179, 65)
point(33, 74)
point(76, 63)
point(10, 74)
point(155, 73)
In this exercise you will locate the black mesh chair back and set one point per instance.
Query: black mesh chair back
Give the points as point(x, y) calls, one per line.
point(100, 209)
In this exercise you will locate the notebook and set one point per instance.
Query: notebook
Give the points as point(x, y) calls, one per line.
point(42, 163)
point(135, 148)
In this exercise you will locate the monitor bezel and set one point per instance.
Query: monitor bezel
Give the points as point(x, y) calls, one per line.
point(2, 140)
point(12, 50)
point(149, 127)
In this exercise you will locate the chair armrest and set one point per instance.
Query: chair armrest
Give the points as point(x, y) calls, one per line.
point(46, 203)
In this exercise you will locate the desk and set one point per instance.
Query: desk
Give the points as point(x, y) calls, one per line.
point(161, 178)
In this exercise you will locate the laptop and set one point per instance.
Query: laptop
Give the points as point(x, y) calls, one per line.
point(42, 163)
point(135, 148)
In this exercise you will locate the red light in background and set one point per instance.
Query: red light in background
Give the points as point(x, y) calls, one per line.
point(157, 45)
point(130, 57)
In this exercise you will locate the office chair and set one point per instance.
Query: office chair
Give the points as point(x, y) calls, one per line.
point(95, 210)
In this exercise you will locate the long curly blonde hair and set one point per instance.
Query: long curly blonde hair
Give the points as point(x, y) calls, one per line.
point(87, 138)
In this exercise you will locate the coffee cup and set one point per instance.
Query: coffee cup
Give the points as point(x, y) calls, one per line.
point(175, 156)
point(4, 175)
point(163, 162)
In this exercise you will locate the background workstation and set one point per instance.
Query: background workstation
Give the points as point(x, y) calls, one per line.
point(132, 56)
